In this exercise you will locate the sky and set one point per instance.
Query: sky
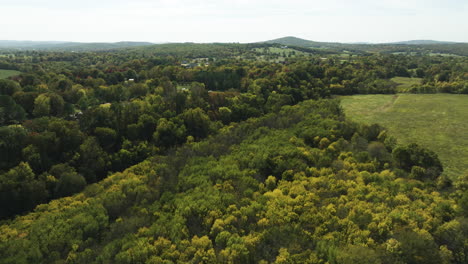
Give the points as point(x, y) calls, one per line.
point(233, 21)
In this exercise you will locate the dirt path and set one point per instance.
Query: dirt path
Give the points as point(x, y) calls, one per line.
point(389, 105)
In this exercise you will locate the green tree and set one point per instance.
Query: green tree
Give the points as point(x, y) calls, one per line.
point(8, 87)
point(57, 104)
point(197, 122)
point(418, 247)
point(414, 155)
point(32, 156)
point(69, 181)
point(168, 133)
point(26, 100)
point(20, 190)
point(42, 106)
point(10, 112)
point(107, 137)
point(357, 254)
point(12, 141)
point(225, 114)
point(93, 160)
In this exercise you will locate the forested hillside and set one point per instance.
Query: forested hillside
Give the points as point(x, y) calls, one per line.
point(303, 185)
point(220, 153)
point(412, 47)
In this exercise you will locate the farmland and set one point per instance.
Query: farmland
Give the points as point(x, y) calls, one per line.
point(405, 83)
point(435, 121)
point(8, 73)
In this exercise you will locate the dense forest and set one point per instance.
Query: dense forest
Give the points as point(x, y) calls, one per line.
point(220, 153)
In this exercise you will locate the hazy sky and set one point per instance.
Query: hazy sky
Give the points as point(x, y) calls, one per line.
point(233, 21)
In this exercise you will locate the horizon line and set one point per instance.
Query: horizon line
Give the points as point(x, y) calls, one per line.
point(227, 42)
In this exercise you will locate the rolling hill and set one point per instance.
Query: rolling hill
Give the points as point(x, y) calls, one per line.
point(421, 42)
point(294, 41)
point(68, 46)
point(412, 46)
point(259, 192)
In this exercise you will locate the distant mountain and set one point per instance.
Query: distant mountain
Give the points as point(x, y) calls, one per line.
point(68, 46)
point(420, 42)
point(294, 41)
point(359, 43)
point(304, 45)
point(76, 46)
point(411, 46)
point(27, 44)
point(329, 47)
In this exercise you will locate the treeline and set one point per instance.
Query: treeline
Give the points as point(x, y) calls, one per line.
point(302, 185)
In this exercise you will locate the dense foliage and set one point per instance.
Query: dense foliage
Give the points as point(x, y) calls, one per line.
point(218, 153)
point(303, 185)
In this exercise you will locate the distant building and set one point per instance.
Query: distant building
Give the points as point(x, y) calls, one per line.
point(189, 65)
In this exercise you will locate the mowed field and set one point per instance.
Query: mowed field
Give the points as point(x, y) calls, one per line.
point(405, 83)
point(436, 121)
point(8, 73)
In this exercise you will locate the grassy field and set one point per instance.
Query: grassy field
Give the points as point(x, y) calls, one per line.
point(435, 121)
point(444, 54)
point(280, 51)
point(404, 83)
point(8, 73)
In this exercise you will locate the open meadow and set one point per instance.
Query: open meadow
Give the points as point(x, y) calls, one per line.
point(435, 121)
point(405, 83)
point(8, 73)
